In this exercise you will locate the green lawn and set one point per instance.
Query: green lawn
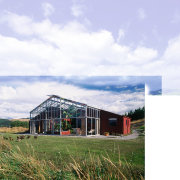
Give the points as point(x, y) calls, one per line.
point(60, 148)
point(54, 157)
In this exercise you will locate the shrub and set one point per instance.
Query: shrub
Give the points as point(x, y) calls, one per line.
point(24, 124)
point(136, 114)
point(5, 123)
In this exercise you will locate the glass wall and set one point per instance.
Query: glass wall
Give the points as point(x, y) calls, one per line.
point(57, 114)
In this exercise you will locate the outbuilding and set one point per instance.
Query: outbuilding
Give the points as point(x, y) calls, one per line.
point(62, 116)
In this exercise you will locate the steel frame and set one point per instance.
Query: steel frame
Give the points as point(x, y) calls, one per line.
point(56, 108)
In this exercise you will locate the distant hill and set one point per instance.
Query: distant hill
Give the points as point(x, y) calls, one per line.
point(139, 126)
point(22, 119)
point(138, 123)
point(5, 122)
point(157, 92)
point(24, 122)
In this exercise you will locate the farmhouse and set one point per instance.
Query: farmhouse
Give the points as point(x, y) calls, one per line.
point(61, 116)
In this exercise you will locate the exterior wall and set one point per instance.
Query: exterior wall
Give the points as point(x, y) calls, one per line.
point(126, 125)
point(122, 126)
point(105, 124)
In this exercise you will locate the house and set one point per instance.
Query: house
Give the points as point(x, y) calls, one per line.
point(58, 115)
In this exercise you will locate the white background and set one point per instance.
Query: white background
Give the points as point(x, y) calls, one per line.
point(162, 141)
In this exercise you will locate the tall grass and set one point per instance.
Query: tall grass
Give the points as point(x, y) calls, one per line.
point(13, 129)
point(14, 164)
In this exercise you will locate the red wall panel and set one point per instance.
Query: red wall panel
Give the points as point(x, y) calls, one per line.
point(122, 126)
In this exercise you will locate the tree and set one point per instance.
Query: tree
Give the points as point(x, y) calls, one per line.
point(137, 113)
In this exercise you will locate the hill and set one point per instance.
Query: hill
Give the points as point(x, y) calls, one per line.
point(5, 123)
point(14, 123)
point(139, 126)
point(21, 119)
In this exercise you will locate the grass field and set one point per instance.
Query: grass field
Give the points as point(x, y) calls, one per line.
point(55, 157)
point(22, 119)
point(13, 129)
point(65, 152)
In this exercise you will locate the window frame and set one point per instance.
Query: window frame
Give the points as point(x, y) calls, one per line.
point(112, 121)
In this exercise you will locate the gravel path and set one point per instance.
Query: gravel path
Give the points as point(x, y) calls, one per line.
point(134, 135)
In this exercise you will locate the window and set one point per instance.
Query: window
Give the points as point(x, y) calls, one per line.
point(112, 121)
point(79, 123)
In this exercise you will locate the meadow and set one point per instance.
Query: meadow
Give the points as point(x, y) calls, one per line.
point(13, 129)
point(53, 157)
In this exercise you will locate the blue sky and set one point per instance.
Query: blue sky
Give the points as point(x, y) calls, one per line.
point(108, 83)
point(19, 95)
point(152, 22)
point(91, 38)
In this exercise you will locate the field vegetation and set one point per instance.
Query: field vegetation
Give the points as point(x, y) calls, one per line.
point(8, 126)
point(139, 126)
point(136, 114)
point(13, 130)
point(52, 157)
point(5, 123)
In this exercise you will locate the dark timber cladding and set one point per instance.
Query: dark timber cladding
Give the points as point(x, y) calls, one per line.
point(50, 116)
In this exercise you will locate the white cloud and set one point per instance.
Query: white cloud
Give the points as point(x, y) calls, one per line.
point(77, 10)
point(17, 102)
point(72, 49)
point(121, 35)
point(19, 24)
point(171, 67)
point(48, 9)
point(141, 13)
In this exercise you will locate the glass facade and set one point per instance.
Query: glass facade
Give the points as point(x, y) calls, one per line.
point(56, 113)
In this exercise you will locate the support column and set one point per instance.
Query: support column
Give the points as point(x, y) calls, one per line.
point(91, 125)
point(30, 124)
point(30, 127)
point(53, 126)
point(86, 121)
point(99, 121)
point(33, 127)
point(45, 126)
point(95, 126)
point(39, 126)
point(45, 123)
point(60, 119)
point(60, 126)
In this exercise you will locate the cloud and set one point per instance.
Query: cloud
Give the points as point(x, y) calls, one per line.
point(171, 67)
point(19, 24)
point(77, 10)
point(141, 14)
point(69, 46)
point(121, 35)
point(15, 103)
point(72, 49)
point(48, 9)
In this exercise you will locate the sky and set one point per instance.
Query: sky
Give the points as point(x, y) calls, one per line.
point(85, 38)
point(118, 94)
point(92, 38)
